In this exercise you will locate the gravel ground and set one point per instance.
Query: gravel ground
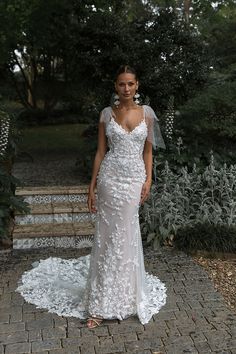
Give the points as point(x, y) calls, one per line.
point(223, 274)
point(49, 170)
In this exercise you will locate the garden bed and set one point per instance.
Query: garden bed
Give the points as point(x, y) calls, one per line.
point(221, 268)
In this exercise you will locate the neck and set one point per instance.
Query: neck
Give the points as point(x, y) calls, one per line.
point(127, 104)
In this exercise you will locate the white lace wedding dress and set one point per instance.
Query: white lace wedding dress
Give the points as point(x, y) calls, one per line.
point(111, 282)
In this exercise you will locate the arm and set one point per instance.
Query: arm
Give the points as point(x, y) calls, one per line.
point(101, 151)
point(147, 157)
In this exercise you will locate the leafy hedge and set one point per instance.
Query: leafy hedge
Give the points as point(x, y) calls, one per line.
point(186, 199)
point(9, 202)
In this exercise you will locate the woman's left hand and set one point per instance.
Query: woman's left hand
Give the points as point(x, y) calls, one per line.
point(145, 191)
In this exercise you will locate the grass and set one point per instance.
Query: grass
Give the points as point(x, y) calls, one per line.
point(59, 139)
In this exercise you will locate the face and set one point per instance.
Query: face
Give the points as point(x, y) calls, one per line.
point(126, 86)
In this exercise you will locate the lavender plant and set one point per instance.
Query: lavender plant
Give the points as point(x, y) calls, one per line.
point(180, 199)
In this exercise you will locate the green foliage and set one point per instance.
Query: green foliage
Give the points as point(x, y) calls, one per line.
point(208, 122)
point(188, 198)
point(9, 202)
point(69, 51)
point(207, 237)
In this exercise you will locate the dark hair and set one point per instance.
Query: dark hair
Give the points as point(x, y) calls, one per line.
point(126, 69)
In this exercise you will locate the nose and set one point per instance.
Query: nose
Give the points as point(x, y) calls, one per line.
point(126, 87)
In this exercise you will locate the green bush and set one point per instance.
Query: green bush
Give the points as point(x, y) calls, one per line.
point(185, 199)
point(9, 202)
point(206, 236)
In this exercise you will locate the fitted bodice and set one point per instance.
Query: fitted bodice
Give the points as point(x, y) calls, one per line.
point(124, 143)
point(125, 156)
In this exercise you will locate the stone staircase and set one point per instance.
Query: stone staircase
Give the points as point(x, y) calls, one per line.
point(59, 217)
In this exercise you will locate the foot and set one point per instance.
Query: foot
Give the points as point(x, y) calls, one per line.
point(93, 322)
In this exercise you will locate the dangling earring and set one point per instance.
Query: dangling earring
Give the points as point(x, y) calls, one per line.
point(117, 100)
point(136, 96)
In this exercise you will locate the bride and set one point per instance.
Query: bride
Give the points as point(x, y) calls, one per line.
point(111, 282)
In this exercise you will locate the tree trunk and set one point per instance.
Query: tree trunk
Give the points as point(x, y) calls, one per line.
point(187, 4)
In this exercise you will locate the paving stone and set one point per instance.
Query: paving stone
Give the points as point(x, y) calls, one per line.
point(173, 332)
point(29, 308)
point(44, 316)
point(152, 343)
point(27, 317)
point(110, 348)
point(13, 327)
point(99, 331)
point(84, 340)
point(219, 344)
point(155, 333)
point(16, 299)
point(54, 333)
point(39, 324)
point(59, 321)
point(35, 334)
point(220, 335)
point(164, 316)
point(177, 340)
point(15, 337)
point(130, 337)
point(4, 317)
point(124, 328)
point(197, 336)
point(16, 316)
point(63, 351)
point(38, 346)
point(106, 340)
point(18, 348)
point(72, 332)
point(195, 318)
point(146, 351)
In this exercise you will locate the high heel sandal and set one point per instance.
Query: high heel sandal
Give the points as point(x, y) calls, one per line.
point(97, 321)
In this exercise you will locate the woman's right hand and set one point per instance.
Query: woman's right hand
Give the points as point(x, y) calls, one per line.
point(91, 201)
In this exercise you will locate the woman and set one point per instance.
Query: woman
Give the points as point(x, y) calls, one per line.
point(111, 282)
point(123, 176)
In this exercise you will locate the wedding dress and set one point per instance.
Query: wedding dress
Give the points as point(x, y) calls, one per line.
point(111, 282)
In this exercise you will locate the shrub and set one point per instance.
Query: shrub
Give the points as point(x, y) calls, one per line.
point(186, 199)
point(9, 202)
point(206, 236)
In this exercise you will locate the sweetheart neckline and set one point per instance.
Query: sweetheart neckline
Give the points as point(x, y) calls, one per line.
point(127, 131)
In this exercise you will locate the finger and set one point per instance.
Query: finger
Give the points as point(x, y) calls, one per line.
point(89, 205)
point(144, 198)
point(93, 207)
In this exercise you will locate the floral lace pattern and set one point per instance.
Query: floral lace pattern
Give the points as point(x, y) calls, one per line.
point(112, 281)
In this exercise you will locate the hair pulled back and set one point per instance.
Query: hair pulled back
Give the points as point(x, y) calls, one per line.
point(126, 69)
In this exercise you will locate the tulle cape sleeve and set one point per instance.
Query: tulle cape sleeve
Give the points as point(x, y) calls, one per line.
point(154, 132)
point(105, 115)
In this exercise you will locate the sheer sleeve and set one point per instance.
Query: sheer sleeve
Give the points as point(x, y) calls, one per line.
point(105, 115)
point(154, 132)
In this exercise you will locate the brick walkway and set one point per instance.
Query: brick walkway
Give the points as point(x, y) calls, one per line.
point(195, 318)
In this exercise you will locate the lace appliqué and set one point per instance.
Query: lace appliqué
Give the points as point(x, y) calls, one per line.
point(111, 282)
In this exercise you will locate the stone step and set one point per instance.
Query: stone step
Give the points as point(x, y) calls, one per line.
point(57, 208)
point(67, 235)
point(58, 217)
point(55, 212)
point(52, 190)
point(53, 194)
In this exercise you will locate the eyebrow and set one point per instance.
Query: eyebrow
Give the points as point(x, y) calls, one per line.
point(129, 82)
